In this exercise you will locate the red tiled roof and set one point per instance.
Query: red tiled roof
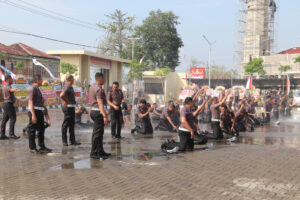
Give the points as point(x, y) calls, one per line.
point(295, 50)
point(29, 51)
point(8, 50)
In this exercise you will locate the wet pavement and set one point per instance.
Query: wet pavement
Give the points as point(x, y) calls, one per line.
point(264, 164)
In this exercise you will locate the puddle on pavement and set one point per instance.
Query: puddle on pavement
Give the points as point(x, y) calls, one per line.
point(289, 142)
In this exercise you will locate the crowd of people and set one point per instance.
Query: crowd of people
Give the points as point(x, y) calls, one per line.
point(227, 114)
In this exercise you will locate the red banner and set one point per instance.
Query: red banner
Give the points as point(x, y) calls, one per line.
point(197, 72)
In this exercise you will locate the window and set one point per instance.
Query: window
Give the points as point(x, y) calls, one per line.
point(154, 88)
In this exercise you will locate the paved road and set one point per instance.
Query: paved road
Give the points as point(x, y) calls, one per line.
point(263, 165)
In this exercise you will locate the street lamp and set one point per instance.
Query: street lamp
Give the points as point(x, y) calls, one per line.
point(209, 57)
point(133, 43)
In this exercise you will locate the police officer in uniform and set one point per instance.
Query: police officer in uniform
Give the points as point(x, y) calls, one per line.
point(9, 109)
point(99, 116)
point(68, 107)
point(36, 116)
point(115, 99)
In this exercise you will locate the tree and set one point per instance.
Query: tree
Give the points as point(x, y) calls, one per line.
point(297, 59)
point(159, 39)
point(136, 70)
point(283, 69)
point(66, 68)
point(118, 28)
point(20, 66)
point(255, 66)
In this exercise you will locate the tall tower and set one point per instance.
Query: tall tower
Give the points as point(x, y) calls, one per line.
point(256, 29)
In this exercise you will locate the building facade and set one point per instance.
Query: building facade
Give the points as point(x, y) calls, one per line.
point(88, 63)
point(10, 55)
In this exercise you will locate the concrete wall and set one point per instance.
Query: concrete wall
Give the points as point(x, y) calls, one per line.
point(115, 73)
point(273, 62)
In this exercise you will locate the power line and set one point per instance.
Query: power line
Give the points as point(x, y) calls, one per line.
point(50, 11)
point(47, 38)
point(34, 11)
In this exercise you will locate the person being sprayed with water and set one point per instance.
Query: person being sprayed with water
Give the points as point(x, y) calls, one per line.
point(165, 122)
point(267, 110)
point(142, 119)
point(227, 123)
point(290, 106)
point(189, 125)
point(215, 116)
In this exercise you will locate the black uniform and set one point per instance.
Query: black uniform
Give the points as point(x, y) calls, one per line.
point(116, 115)
point(96, 92)
point(36, 96)
point(268, 107)
point(9, 111)
point(143, 125)
point(69, 115)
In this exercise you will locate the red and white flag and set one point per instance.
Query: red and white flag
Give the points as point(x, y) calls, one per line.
point(249, 83)
point(141, 61)
point(288, 85)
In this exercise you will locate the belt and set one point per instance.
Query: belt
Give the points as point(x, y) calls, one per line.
point(39, 108)
point(183, 129)
point(71, 105)
point(95, 109)
point(215, 120)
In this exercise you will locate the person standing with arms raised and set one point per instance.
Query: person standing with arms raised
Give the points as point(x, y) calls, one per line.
point(9, 109)
point(68, 107)
point(97, 101)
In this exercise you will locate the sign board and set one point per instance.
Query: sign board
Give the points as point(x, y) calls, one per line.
point(197, 72)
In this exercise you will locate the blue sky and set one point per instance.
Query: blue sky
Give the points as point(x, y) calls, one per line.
point(215, 18)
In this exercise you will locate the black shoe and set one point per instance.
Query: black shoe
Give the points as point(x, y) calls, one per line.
point(24, 131)
point(119, 137)
point(75, 143)
point(156, 128)
point(65, 144)
point(14, 137)
point(103, 157)
point(35, 151)
point(4, 137)
point(105, 154)
point(45, 150)
point(132, 131)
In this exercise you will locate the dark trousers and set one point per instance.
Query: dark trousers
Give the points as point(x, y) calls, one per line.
point(217, 132)
point(288, 113)
point(186, 143)
point(68, 123)
point(98, 132)
point(116, 122)
point(266, 119)
point(143, 126)
point(227, 130)
point(8, 114)
point(164, 125)
point(39, 127)
point(282, 113)
point(276, 114)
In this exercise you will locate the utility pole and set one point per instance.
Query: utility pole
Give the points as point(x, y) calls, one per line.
point(133, 44)
point(209, 58)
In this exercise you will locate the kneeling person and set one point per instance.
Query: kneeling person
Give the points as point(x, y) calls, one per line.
point(142, 119)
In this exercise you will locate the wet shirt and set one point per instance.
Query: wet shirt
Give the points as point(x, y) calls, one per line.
point(215, 111)
point(70, 94)
point(166, 113)
point(96, 92)
point(251, 109)
point(126, 112)
point(276, 105)
point(8, 96)
point(36, 96)
point(226, 118)
point(282, 105)
point(187, 113)
point(238, 116)
point(268, 106)
point(289, 104)
point(115, 97)
point(141, 110)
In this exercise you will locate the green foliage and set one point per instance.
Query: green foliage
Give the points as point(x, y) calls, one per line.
point(20, 66)
point(162, 72)
point(135, 70)
point(1, 56)
point(159, 39)
point(297, 59)
point(66, 68)
point(118, 28)
point(284, 68)
point(255, 66)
